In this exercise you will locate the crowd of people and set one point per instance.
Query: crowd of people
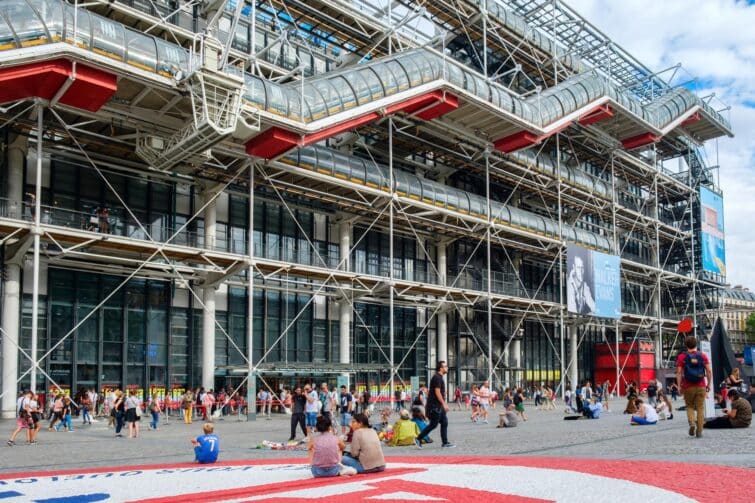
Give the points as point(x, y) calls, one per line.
point(345, 430)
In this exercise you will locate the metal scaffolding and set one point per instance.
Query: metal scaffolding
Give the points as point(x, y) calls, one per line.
point(514, 128)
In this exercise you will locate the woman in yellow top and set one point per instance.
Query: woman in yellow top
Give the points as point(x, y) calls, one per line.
point(404, 431)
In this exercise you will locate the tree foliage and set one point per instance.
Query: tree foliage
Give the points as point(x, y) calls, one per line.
point(750, 329)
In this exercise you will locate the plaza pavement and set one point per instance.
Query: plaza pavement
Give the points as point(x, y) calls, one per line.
point(545, 434)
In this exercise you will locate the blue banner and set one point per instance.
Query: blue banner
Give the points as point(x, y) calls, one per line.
point(593, 283)
point(712, 232)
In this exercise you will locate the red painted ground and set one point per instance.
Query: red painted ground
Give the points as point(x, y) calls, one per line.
point(705, 483)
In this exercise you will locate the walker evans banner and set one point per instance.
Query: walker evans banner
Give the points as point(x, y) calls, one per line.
point(712, 235)
point(593, 283)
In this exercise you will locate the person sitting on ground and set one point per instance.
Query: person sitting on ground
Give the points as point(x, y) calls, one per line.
point(734, 381)
point(589, 408)
point(631, 405)
point(404, 430)
point(593, 408)
point(508, 418)
point(740, 415)
point(664, 407)
point(645, 414)
point(366, 454)
point(325, 451)
point(207, 446)
point(419, 418)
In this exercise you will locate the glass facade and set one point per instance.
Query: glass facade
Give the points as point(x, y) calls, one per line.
point(148, 332)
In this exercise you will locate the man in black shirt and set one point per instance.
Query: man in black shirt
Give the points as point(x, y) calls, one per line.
point(652, 391)
point(298, 402)
point(437, 407)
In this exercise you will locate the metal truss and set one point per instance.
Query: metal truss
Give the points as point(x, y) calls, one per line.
point(172, 126)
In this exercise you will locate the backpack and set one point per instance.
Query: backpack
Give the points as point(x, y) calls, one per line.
point(694, 367)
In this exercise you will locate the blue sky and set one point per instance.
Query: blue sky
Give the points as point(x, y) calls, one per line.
point(715, 42)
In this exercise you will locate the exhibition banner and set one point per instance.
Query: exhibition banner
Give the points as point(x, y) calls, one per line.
point(593, 283)
point(712, 232)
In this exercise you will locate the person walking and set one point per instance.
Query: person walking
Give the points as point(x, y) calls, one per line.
point(154, 409)
point(85, 404)
point(188, 406)
point(119, 406)
point(457, 398)
point(66, 413)
point(693, 377)
point(437, 407)
point(326, 398)
point(57, 411)
point(311, 408)
point(652, 391)
point(519, 403)
point(23, 419)
point(133, 414)
point(347, 408)
point(484, 398)
point(298, 403)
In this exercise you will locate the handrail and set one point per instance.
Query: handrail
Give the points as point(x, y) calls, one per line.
point(335, 93)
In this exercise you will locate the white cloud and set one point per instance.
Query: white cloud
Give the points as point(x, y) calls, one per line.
point(715, 42)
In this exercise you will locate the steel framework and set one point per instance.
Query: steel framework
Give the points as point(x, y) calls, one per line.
point(488, 135)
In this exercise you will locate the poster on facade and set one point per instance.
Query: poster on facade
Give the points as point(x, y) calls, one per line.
point(712, 231)
point(593, 283)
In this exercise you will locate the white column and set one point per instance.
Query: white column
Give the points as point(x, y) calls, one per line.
point(516, 353)
point(573, 370)
point(208, 299)
point(506, 360)
point(344, 308)
point(442, 315)
point(12, 286)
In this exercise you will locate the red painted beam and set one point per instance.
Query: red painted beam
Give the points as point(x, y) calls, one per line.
point(447, 104)
point(276, 141)
point(272, 143)
point(597, 114)
point(695, 117)
point(413, 104)
point(90, 89)
point(517, 141)
point(340, 128)
point(640, 140)
point(35, 80)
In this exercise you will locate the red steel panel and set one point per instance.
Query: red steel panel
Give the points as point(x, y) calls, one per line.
point(91, 89)
point(448, 103)
point(272, 143)
point(276, 141)
point(640, 140)
point(695, 117)
point(340, 128)
point(516, 141)
point(35, 80)
point(636, 361)
point(414, 104)
point(598, 114)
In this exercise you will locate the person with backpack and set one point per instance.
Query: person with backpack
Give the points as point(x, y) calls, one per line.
point(693, 376)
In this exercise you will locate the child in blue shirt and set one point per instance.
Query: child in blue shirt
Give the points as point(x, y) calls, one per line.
point(419, 418)
point(207, 446)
